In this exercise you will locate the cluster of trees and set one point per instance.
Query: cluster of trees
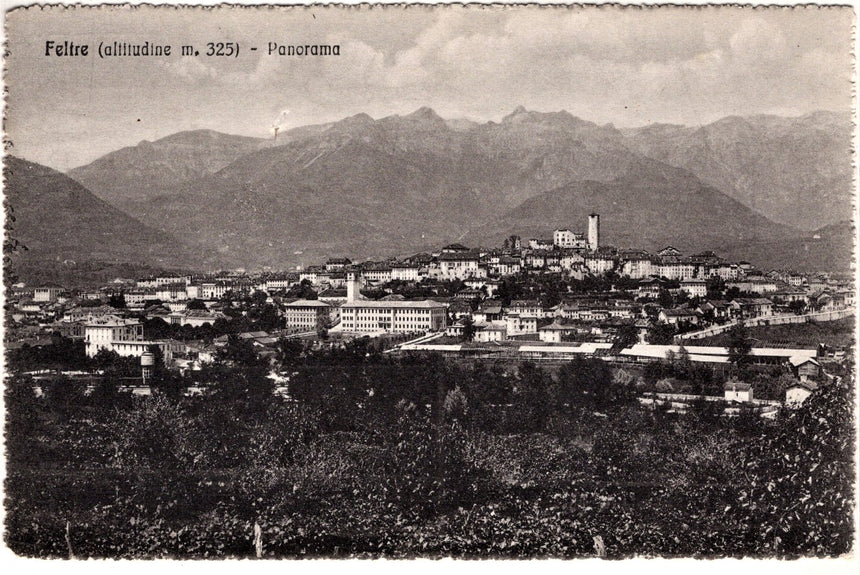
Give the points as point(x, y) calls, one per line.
point(379, 456)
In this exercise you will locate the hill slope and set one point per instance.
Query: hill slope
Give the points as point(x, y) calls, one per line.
point(58, 219)
point(651, 207)
point(128, 176)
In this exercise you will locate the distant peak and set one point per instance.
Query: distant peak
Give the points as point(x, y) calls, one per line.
point(361, 118)
point(424, 113)
point(519, 110)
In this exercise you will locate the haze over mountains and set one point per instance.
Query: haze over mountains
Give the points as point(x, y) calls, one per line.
point(363, 187)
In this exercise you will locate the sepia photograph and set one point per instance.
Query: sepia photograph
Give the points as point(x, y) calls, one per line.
point(429, 282)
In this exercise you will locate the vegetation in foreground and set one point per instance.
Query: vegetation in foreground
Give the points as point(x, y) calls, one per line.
point(380, 456)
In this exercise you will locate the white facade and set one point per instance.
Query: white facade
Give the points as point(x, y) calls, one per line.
point(306, 313)
point(46, 294)
point(404, 273)
point(637, 269)
point(392, 316)
point(599, 264)
point(104, 331)
point(695, 288)
point(568, 239)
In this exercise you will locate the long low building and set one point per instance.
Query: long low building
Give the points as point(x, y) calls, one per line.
point(714, 354)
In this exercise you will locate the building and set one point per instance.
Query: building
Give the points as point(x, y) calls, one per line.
point(540, 244)
point(103, 332)
point(46, 294)
point(694, 287)
point(796, 393)
point(738, 391)
point(368, 316)
point(568, 239)
point(307, 314)
point(805, 367)
point(491, 331)
point(459, 265)
point(404, 272)
point(556, 332)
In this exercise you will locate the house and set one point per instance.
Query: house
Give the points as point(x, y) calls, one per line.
point(103, 332)
point(635, 264)
point(540, 244)
point(679, 315)
point(754, 307)
point(805, 367)
point(565, 238)
point(336, 264)
point(527, 307)
point(491, 331)
point(598, 263)
point(455, 249)
point(458, 265)
point(738, 391)
point(695, 287)
point(796, 393)
point(519, 325)
point(555, 332)
point(404, 272)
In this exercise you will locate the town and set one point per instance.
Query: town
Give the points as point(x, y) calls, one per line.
point(548, 300)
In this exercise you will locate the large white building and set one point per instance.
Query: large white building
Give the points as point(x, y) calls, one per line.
point(101, 332)
point(123, 336)
point(368, 316)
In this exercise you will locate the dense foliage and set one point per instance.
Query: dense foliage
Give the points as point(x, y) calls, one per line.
point(382, 456)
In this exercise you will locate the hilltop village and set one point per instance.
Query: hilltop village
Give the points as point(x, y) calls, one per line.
point(552, 299)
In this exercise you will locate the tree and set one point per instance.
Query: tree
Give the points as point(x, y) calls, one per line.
point(468, 328)
point(661, 334)
point(117, 301)
point(195, 304)
point(739, 345)
point(626, 336)
point(532, 401)
point(589, 381)
point(665, 299)
point(797, 306)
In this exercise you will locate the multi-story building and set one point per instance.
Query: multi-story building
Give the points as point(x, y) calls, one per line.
point(458, 265)
point(308, 314)
point(365, 316)
point(398, 316)
point(567, 239)
point(101, 332)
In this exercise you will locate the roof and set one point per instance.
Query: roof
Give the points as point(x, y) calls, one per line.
point(555, 326)
point(585, 347)
point(808, 385)
point(714, 354)
point(110, 321)
point(307, 303)
point(458, 257)
point(423, 304)
point(736, 386)
point(798, 360)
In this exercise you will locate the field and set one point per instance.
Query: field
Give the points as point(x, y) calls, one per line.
point(835, 334)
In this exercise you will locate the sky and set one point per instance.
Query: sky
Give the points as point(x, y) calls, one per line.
point(625, 66)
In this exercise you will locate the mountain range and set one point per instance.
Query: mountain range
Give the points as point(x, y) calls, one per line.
point(373, 188)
